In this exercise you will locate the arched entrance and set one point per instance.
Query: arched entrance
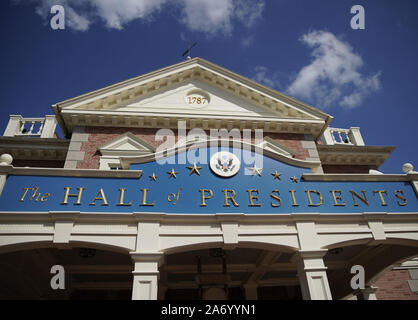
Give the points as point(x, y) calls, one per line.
point(376, 258)
point(235, 274)
point(89, 274)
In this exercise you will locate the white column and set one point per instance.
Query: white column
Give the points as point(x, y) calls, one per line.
point(312, 275)
point(146, 275)
point(13, 127)
point(251, 291)
point(3, 179)
point(355, 136)
point(147, 257)
point(327, 137)
point(48, 129)
point(5, 161)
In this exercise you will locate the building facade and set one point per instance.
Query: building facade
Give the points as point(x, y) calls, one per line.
point(193, 182)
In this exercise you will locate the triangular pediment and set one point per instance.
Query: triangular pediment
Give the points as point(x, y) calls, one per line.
point(126, 144)
point(162, 97)
point(194, 99)
point(272, 145)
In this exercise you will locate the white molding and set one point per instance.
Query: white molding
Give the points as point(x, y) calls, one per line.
point(125, 145)
point(126, 161)
point(359, 177)
point(62, 172)
point(81, 109)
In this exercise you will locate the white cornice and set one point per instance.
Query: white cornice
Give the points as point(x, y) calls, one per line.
point(361, 177)
point(102, 101)
point(354, 155)
point(60, 172)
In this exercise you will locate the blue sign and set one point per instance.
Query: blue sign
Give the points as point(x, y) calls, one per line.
point(273, 187)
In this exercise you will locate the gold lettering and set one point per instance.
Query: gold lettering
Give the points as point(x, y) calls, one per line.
point(380, 192)
point(174, 198)
point(275, 205)
point(45, 197)
point(203, 197)
point(364, 200)
point(100, 196)
point(34, 193)
point(321, 198)
point(121, 198)
point(405, 202)
point(144, 199)
point(337, 197)
point(253, 197)
point(37, 197)
point(295, 204)
point(232, 198)
point(24, 194)
point(68, 194)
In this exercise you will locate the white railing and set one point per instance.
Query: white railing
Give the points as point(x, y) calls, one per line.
point(31, 127)
point(352, 136)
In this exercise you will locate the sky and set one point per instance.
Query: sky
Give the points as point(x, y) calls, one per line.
point(365, 78)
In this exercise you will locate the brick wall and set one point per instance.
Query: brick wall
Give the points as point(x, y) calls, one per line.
point(393, 285)
point(297, 142)
point(83, 153)
point(100, 135)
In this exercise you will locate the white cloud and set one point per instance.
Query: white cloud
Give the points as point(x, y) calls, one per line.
point(76, 21)
point(118, 13)
point(263, 75)
point(333, 77)
point(249, 11)
point(208, 16)
point(246, 42)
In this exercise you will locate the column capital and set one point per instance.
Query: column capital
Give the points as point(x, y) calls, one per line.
point(309, 254)
point(319, 253)
point(64, 215)
point(148, 216)
point(147, 257)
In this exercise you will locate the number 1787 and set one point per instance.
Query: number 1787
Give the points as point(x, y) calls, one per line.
point(196, 100)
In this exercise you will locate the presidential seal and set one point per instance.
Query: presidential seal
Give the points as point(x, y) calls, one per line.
point(225, 164)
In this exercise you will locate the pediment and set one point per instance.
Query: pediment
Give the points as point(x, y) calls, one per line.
point(272, 145)
point(182, 100)
point(126, 145)
point(159, 99)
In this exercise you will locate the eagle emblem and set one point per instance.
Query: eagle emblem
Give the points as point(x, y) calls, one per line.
point(225, 164)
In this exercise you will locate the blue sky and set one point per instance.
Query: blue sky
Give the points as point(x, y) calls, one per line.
point(305, 48)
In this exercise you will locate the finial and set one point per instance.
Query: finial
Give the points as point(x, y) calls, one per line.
point(6, 159)
point(408, 168)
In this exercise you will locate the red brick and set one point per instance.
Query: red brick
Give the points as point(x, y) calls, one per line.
point(100, 135)
point(393, 285)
